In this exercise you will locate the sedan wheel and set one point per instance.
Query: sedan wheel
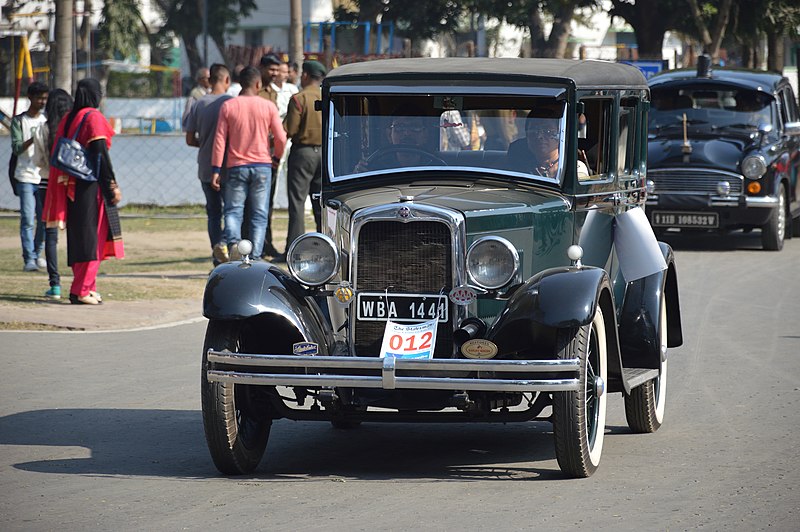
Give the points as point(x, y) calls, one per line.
point(645, 406)
point(579, 417)
point(236, 428)
point(774, 231)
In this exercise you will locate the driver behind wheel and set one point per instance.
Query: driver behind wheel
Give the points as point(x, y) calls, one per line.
point(408, 142)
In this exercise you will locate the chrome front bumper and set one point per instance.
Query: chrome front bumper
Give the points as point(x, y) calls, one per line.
point(338, 371)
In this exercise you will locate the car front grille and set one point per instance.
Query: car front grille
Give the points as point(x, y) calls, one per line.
point(410, 258)
point(701, 182)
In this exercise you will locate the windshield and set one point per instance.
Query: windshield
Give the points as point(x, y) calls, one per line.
point(378, 133)
point(720, 107)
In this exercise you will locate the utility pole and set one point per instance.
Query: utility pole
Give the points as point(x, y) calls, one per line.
point(64, 45)
point(296, 32)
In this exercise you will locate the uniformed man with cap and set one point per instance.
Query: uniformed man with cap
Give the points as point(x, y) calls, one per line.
point(303, 125)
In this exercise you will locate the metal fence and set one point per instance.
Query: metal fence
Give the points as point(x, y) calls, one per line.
point(151, 160)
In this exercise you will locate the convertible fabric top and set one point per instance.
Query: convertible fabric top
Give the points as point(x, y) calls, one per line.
point(585, 74)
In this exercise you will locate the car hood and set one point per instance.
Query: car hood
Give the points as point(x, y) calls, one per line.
point(724, 153)
point(485, 206)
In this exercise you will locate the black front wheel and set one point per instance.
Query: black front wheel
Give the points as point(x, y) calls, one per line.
point(579, 417)
point(236, 427)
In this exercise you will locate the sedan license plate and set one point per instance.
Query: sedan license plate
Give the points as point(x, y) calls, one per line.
point(704, 220)
point(378, 306)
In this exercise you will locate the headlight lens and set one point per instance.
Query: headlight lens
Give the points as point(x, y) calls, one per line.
point(754, 166)
point(313, 259)
point(492, 262)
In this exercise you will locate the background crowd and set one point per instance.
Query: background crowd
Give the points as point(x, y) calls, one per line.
point(247, 125)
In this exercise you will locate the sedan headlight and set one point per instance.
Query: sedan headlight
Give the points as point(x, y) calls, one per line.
point(754, 166)
point(313, 259)
point(492, 262)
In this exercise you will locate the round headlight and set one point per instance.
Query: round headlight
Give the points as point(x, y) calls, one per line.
point(313, 259)
point(754, 166)
point(492, 262)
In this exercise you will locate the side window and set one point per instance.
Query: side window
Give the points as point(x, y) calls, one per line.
point(594, 149)
point(626, 136)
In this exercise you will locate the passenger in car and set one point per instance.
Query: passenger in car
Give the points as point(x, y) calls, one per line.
point(538, 152)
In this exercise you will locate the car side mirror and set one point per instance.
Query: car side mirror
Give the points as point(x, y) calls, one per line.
point(792, 129)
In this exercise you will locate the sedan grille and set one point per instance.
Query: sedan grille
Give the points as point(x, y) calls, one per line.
point(407, 258)
point(680, 180)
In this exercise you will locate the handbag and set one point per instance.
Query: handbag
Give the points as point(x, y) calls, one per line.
point(71, 157)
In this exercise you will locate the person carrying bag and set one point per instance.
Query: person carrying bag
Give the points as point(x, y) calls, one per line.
point(87, 207)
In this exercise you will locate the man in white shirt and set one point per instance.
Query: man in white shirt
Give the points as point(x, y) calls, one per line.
point(30, 161)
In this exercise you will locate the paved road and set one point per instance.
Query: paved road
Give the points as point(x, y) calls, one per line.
point(104, 432)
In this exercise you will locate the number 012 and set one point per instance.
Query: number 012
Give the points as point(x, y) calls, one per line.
point(396, 342)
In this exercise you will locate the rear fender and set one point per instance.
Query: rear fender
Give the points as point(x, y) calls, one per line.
point(638, 319)
point(555, 299)
point(239, 291)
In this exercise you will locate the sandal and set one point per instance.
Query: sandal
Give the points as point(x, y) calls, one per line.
point(88, 299)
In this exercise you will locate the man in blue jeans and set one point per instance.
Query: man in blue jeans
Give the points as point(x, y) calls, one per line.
point(242, 138)
point(201, 124)
point(28, 145)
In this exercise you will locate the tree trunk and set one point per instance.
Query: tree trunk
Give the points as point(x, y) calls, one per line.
point(775, 55)
point(296, 32)
point(64, 42)
point(538, 44)
point(219, 41)
point(193, 52)
point(718, 33)
point(559, 35)
point(650, 20)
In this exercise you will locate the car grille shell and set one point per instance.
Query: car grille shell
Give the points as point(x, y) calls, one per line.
point(403, 257)
point(681, 180)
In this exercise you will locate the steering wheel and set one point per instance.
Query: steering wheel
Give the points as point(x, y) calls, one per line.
point(382, 153)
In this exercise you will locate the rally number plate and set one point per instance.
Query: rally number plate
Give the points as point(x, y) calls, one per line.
point(378, 306)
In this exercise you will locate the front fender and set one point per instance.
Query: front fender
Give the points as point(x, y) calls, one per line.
point(238, 291)
point(639, 316)
point(555, 299)
point(558, 297)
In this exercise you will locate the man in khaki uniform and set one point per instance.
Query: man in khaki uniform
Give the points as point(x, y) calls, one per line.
point(304, 126)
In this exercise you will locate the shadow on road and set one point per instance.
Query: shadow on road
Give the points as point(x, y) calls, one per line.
point(170, 443)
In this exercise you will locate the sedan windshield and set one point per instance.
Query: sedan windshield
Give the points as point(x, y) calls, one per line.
point(709, 107)
point(378, 133)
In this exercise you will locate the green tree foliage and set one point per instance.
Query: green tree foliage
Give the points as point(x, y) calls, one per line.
point(415, 20)
point(533, 16)
point(120, 30)
point(184, 18)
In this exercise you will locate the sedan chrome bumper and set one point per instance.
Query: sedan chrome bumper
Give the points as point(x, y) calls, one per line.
point(727, 201)
point(387, 373)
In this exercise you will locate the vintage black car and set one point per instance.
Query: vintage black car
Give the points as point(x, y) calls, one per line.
point(724, 153)
point(485, 258)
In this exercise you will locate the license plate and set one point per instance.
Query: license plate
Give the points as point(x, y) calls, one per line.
point(705, 220)
point(378, 306)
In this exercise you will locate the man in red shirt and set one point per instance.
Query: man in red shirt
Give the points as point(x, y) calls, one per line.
point(243, 132)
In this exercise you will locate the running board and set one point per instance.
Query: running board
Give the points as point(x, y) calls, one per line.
point(638, 376)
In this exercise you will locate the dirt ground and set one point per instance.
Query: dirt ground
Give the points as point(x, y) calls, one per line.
point(130, 287)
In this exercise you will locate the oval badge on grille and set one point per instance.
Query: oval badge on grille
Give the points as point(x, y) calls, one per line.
point(404, 212)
